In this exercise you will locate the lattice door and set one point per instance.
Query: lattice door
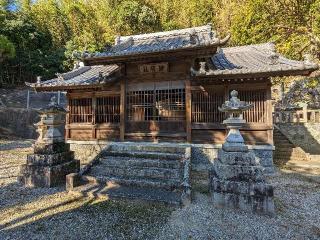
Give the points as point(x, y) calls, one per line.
point(159, 109)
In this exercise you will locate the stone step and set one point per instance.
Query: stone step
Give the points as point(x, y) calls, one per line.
point(290, 160)
point(144, 171)
point(117, 192)
point(148, 172)
point(279, 136)
point(310, 164)
point(276, 136)
point(289, 154)
point(315, 157)
point(168, 184)
point(282, 155)
point(284, 151)
point(148, 147)
point(303, 167)
point(146, 155)
point(287, 148)
point(126, 162)
point(284, 145)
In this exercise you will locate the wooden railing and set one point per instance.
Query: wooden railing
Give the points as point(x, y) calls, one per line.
point(302, 115)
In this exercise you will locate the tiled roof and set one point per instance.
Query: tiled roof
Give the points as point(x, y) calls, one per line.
point(161, 41)
point(250, 59)
point(83, 76)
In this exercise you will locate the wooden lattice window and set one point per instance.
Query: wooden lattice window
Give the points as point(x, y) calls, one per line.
point(156, 105)
point(80, 110)
point(257, 114)
point(204, 107)
point(108, 109)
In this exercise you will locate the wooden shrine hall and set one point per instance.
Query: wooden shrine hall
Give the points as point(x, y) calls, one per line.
point(167, 86)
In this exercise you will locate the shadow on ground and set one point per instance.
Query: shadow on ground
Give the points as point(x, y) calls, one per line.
point(85, 218)
point(14, 194)
point(12, 145)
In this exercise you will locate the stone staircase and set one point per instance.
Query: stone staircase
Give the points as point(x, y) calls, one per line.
point(142, 171)
point(286, 154)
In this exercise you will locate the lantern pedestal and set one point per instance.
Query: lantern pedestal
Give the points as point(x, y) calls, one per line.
point(52, 159)
point(237, 179)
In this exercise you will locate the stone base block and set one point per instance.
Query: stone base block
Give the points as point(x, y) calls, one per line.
point(73, 180)
point(257, 204)
point(200, 179)
point(234, 147)
point(49, 160)
point(51, 148)
point(47, 176)
point(246, 188)
point(238, 172)
point(238, 158)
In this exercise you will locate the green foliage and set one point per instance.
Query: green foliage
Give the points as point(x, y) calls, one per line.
point(46, 33)
point(132, 17)
point(7, 49)
point(34, 49)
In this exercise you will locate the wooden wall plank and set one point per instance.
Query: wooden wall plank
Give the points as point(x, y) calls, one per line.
point(269, 119)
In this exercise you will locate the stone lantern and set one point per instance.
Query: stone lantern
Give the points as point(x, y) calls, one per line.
point(234, 108)
point(237, 179)
point(52, 118)
point(52, 159)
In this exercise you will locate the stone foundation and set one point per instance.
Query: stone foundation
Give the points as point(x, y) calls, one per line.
point(49, 165)
point(202, 158)
point(238, 181)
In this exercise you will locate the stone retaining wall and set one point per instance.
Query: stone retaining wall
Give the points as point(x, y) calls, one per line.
point(19, 122)
point(304, 135)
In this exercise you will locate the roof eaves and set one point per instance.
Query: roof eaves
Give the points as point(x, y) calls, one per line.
point(281, 71)
point(77, 80)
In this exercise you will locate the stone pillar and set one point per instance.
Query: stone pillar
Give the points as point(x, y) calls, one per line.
point(52, 159)
point(237, 180)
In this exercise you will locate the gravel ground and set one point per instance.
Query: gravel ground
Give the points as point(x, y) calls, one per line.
point(53, 214)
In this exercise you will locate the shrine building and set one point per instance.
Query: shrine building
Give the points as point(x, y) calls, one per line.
point(167, 87)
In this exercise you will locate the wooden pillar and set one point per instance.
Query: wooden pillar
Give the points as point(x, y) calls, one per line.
point(66, 127)
point(188, 111)
point(226, 92)
point(122, 108)
point(94, 107)
point(269, 113)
